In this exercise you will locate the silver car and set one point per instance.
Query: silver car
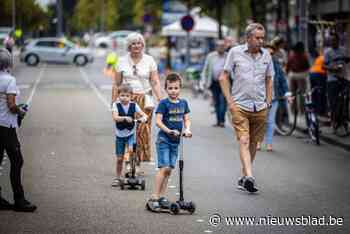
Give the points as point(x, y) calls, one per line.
point(57, 50)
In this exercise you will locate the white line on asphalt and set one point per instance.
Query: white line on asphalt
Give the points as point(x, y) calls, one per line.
point(200, 220)
point(23, 86)
point(94, 88)
point(36, 85)
point(171, 186)
point(106, 87)
point(208, 231)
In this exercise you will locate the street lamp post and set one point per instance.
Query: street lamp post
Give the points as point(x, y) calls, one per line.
point(59, 18)
point(13, 14)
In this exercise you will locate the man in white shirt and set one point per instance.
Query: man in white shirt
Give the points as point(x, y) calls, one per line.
point(9, 142)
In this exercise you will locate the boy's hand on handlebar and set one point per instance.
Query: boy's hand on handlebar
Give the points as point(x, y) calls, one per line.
point(128, 119)
point(187, 133)
point(174, 133)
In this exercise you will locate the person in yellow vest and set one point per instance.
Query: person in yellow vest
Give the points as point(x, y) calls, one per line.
point(318, 78)
point(18, 36)
point(111, 64)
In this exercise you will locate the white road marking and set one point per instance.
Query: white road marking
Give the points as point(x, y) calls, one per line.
point(200, 220)
point(208, 231)
point(171, 186)
point(29, 101)
point(106, 87)
point(23, 86)
point(94, 88)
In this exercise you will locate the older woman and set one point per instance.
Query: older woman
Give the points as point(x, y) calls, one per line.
point(139, 70)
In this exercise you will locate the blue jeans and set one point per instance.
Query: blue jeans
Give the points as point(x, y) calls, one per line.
point(270, 122)
point(219, 102)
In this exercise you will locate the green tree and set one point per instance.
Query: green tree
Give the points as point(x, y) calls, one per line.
point(29, 14)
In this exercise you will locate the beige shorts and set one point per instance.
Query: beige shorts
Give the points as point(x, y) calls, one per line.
point(251, 124)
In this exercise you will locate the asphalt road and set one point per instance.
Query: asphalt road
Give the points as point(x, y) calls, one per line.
point(68, 144)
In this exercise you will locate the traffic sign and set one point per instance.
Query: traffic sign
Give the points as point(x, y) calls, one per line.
point(187, 23)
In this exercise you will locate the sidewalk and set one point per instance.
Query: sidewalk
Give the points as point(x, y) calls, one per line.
point(326, 134)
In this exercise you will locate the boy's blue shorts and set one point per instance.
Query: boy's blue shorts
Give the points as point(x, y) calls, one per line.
point(167, 153)
point(122, 142)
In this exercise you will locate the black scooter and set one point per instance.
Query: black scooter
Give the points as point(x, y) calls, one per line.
point(189, 206)
point(132, 181)
point(181, 204)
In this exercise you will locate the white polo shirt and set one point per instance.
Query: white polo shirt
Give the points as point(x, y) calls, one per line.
point(7, 86)
point(138, 77)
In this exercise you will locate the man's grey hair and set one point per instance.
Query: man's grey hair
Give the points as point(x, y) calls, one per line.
point(134, 37)
point(252, 27)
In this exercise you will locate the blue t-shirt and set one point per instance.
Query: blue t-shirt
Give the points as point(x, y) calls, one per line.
point(173, 115)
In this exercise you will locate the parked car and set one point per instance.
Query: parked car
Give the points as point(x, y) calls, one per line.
point(113, 40)
point(54, 50)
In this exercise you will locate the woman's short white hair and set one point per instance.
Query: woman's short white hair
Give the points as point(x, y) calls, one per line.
point(134, 37)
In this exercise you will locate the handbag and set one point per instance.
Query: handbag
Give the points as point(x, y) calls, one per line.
point(149, 101)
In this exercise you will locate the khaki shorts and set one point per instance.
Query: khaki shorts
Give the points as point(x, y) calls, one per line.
point(251, 124)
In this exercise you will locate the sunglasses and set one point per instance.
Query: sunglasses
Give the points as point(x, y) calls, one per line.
point(134, 70)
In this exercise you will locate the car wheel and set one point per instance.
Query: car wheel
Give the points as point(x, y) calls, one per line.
point(103, 46)
point(81, 60)
point(32, 60)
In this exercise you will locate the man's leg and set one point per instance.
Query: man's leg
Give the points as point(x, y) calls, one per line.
point(16, 159)
point(222, 107)
point(216, 96)
point(244, 153)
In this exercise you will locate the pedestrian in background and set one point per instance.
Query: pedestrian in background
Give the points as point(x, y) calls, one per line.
point(335, 63)
point(213, 66)
point(251, 96)
point(279, 52)
point(9, 142)
point(280, 91)
point(298, 72)
point(139, 70)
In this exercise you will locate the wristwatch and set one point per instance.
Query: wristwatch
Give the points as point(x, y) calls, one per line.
point(269, 105)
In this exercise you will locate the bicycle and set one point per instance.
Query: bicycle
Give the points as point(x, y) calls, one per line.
point(341, 116)
point(287, 115)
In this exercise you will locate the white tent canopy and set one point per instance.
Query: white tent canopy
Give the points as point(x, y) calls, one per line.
point(203, 27)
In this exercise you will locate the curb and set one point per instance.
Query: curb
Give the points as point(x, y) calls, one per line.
point(328, 140)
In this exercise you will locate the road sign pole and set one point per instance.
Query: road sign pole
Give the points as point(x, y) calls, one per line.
point(188, 54)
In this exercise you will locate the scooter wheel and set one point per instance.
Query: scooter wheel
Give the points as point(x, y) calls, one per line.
point(174, 208)
point(147, 207)
point(191, 207)
point(121, 185)
point(143, 185)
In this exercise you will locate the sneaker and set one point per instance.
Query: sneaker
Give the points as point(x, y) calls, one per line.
point(23, 205)
point(116, 182)
point(240, 183)
point(5, 205)
point(164, 203)
point(153, 205)
point(249, 184)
